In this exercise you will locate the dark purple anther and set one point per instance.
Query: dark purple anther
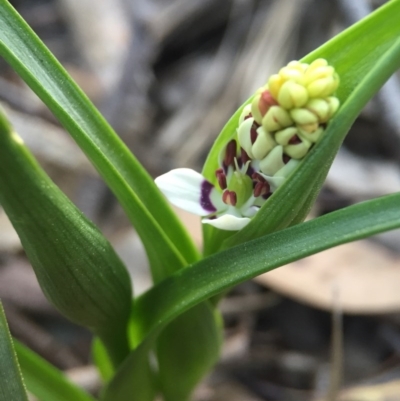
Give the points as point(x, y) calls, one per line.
point(286, 158)
point(221, 177)
point(205, 200)
point(253, 134)
point(258, 177)
point(245, 157)
point(229, 197)
point(250, 171)
point(294, 140)
point(230, 153)
point(261, 188)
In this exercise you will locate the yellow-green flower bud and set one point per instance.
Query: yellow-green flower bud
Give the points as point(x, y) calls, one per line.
point(312, 135)
point(292, 74)
point(263, 144)
point(261, 104)
point(308, 127)
point(273, 162)
point(320, 107)
point(287, 168)
point(245, 112)
point(302, 67)
point(276, 119)
point(275, 83)
point(334, 104)
point(319, 62)
point(297, 150)
point(315, 65)
point(318, 73)
point(303, 116)
point(323, 87)
point(255, 111)
point(292, 95)
point(285, 135)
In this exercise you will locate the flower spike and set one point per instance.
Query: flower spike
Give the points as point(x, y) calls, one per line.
point(275, 132)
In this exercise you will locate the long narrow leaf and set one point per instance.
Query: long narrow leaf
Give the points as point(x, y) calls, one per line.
point(44, 381)
point(132, 381)
point(212, 275)
point(77, 268)
point(187, 349)
point(167, 242)
point(216, 273)
point(11, 383)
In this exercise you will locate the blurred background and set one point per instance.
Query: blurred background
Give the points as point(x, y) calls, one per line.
point(168, 74)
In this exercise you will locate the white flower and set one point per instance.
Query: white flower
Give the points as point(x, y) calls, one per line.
point(230, 204)
point(189, 190)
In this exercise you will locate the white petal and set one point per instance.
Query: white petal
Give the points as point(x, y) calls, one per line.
point(273, 161)
point(183, 188)
point(251, 211)
point(275, 182)
point(287, 168)
point(244, 136)
point(246, 111)
point(228, 222)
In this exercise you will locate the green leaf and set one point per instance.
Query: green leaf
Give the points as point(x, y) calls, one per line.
point(223, 270)
point(135, 380)
point(77, 268)
point(365, 55)
point(44, 381)
point(166, 241)
point(213, 275)
point(102, 360)
point(187, 349)
point(11, 383)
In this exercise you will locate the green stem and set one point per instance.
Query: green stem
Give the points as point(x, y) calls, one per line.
point(116, 343)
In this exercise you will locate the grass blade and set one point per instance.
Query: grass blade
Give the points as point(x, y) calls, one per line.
point(11, 383)
point(166, 241)
point(44, 381)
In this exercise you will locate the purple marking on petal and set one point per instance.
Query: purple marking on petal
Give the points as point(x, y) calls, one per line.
point(205, 200)
point(250, 171)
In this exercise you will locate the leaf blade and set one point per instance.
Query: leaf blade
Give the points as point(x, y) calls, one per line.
point(214, 274)
point(167, 242)
point(76, 266)
point(186, 350)
point(11, 382)
point(192, 285)
point(45, 381)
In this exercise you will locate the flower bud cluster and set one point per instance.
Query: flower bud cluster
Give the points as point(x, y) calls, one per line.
point(287, 116)
point(285, 119)
point(279, 127)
